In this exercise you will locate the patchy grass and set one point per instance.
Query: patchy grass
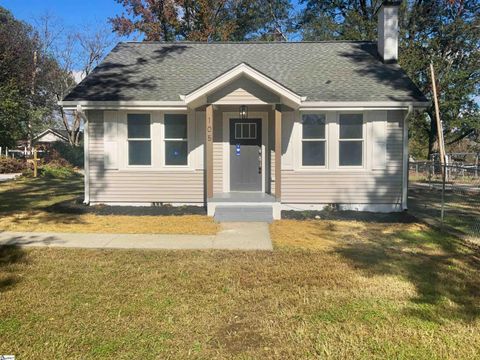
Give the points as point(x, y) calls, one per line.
point(27, 204)
point(462, 209)
point(331, 289)
point(118, 224)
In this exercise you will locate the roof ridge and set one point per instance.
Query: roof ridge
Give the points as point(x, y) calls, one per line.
point(251, 42)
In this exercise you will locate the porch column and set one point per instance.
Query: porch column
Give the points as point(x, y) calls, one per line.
point(278, 152)
point(209, 150)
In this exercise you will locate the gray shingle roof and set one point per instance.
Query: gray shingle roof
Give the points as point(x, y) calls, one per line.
point(321, 71)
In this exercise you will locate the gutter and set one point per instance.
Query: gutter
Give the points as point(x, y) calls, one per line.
point(405, 159)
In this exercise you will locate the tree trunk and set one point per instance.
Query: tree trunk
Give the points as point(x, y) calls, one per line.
point(32, 94)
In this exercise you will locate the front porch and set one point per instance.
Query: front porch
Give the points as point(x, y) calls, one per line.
point(242, 175)
point(243, 112)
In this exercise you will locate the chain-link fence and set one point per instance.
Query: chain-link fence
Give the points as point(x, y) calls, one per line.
point(448, 194)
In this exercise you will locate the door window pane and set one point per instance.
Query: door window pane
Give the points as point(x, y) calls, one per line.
point(175, 126)
point(245, 131)
point(313, 126)
point(139, 152)
point(313, 153)
point(253, 131)
point(176, 152)
point(351, 126)
point(138, 126)
point(351, 153)
point(238, 131)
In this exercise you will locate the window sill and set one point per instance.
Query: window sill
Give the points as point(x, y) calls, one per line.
point(159, 169)
point(332, 170)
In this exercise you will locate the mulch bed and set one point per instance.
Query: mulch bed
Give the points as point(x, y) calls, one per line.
point(77, 207)
point(365, 216)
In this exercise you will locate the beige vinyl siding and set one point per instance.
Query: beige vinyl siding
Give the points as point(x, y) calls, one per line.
point(242, 91)
point(137, 185)
point(352, 186)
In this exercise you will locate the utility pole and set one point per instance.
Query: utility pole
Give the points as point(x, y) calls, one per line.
point(441, 144)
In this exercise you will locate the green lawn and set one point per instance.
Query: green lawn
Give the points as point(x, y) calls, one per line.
point(330, 289)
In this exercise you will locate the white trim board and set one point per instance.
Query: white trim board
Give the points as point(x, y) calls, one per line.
point(122, 103)
point(86, 155)
point(379, 208)
point(145, 204)
point(361, 105)
point(405, 160)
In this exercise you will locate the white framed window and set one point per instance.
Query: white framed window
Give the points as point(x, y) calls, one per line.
point(351, 140)
point(176, 139)
point(314, 141)
point(245, 131)
point(139, 140)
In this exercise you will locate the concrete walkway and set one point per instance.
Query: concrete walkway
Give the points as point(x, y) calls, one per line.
point(7, 177)
point(232, 236)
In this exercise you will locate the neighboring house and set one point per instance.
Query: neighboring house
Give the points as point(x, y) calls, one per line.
point(41, 141)
point(205, 123)
point(50, 136)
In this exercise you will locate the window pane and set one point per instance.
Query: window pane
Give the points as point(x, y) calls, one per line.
point(351, 153)
point(245, 131)
point(313, 153)
point(139, 152)
point(313, 126)
point(238, 131)
point(253, 131)
point(351, 126)
point(175, 126)
point(138, 126)
point(176, 152)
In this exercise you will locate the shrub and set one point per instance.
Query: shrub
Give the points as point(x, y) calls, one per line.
point(9, 165)
point(57, 169)
point(74, 155)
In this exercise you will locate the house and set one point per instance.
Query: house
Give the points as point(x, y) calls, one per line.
point(250, 127)
point(50, 136)
point(42, 142)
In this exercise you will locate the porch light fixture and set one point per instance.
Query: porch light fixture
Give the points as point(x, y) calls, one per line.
point(243, 112)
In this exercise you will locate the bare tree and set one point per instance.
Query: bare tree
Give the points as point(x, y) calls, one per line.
point(76, 51)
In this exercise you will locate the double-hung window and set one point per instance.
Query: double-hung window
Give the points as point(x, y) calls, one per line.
point(313, 140)
point(176, 139)
point(139, 141)
point(351, 140)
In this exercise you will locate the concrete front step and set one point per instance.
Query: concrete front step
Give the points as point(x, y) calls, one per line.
point(243, 213)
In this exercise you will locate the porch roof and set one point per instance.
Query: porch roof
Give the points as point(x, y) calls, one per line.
point(315, 71)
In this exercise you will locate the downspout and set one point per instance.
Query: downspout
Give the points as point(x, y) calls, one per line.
point(405, 158)
point(86, 149)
